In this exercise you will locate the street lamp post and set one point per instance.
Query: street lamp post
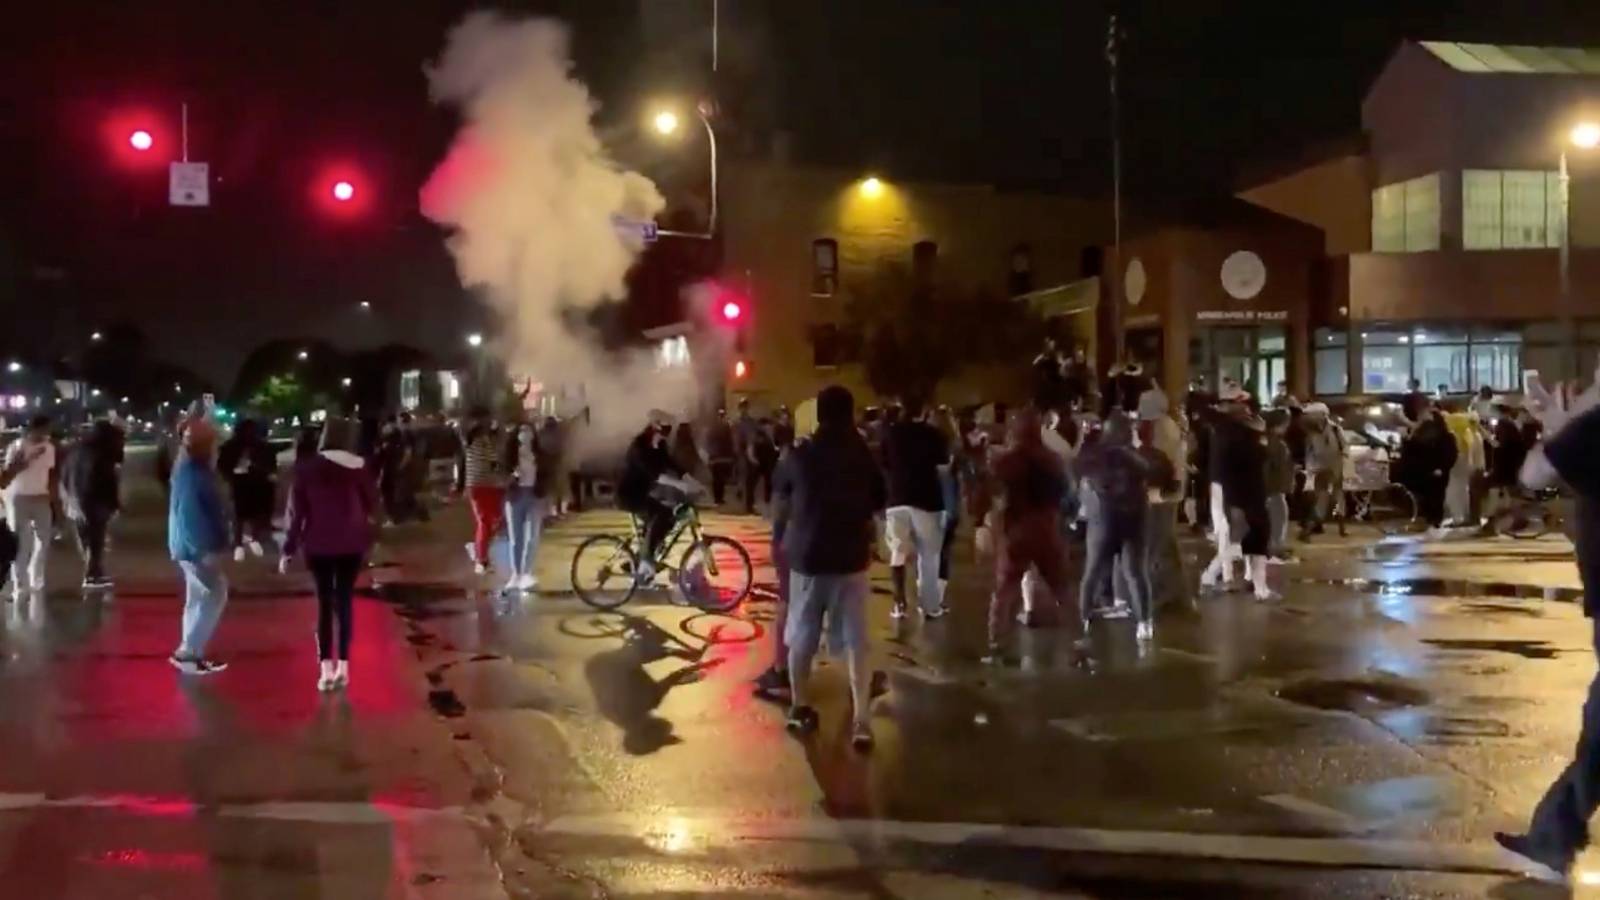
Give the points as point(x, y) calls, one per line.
point(666, 123)
point(1584, 136)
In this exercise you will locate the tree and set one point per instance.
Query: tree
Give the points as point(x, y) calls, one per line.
point(286, 396)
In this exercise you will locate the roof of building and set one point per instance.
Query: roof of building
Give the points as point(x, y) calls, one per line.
point(1515, 59)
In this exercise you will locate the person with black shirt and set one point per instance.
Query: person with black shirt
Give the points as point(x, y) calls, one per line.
point(721, 454)
point(1430, 453)
point(761, 455)
point(1560, 825)
point(1049, 380)
point(1414, 403)
point(913, 452)
point(246, 460)
point(1238, 466)
point(648, 459)
point(1508, 451)
point(830, 489)
point(92, 484)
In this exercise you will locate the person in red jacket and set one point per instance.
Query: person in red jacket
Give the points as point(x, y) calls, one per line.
point(333, 508)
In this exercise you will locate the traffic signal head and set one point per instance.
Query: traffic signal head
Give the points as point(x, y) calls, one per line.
point(141, 140)
point(343, 191)
point(741, 369)
point(732, 310)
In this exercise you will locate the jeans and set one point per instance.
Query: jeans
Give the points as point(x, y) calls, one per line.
point(921, 532)
point(205, 593)
point(525, 524)
point(336, 587)
point(1162, 559)
point(34, 519)
point(1561, 820)
point(92, 541)
point(1110, 535)
point(1278, 524)
point(488, 506)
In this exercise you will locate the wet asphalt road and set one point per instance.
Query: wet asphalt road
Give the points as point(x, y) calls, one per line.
point(1362, 738)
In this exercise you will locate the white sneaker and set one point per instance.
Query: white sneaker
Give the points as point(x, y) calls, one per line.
point(897, 611)
point(513, 585)
point(256, 548)
point(341, 675)
point(528, 582)
point(1145, 631)
point(238, 553)
point(480, 568)
point(325, 677)
point(1268, 595)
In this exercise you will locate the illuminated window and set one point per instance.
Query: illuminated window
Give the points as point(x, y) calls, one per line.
point(1512, 210)
point(1405, 216)
point(410, 389)
point(1331, 362)
point(824, 267)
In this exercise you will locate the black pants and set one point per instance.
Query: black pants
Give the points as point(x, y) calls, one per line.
point(92, 542)
point(1430, 498)
point(1257, 537)
point(948, 546)
point(336, 586)
point(657, 518)
point(754, 474)
point(1561, 820)
point(721, 470)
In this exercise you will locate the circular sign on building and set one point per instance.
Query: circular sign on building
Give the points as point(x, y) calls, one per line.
point(1243, 275)
point(1134, 282)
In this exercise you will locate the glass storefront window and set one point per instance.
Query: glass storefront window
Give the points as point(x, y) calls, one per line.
point(1441, 365)
point(1385, 369)
point(1330, 362)
point(1497, 366)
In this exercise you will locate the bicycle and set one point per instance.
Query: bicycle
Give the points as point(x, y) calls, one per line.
point(1391, 509)
point(1531, 515)
point(714, 573)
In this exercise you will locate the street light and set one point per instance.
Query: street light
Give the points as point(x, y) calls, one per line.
point(666, 123)
point(343, 191)
point(871, 186)
point(366, 306)
point(303, 356)
point(96, 337)
point(1584, 136)
point(345, 382)
point(474, 340)
point(13, 367)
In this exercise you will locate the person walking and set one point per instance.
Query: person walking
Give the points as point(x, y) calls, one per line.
point(1430, 453)
point(761, 456)
point(1030, 484)
point(1505, 463)
point(721, 454)
point(246, 460)
point(479, 475)
point(92, 485)
point(197, 538)
point(685, 452)
point(1120, 477)
point(30, 504)
point(1238, 465)
point(527, 490)
point(332, 518)
point(1325, 460)
point(1469, 463)
point(1160, 433)
point(1559, 827)
point(832, 490)
point(913, 523)
point(1280, 485)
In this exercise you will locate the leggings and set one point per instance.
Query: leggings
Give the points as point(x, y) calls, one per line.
point(951, 523)
point(336, 585)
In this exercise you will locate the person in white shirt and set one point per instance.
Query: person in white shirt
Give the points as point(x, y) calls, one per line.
point(30, 504)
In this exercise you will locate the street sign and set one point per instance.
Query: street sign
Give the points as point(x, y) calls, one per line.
point(189, 184)
point(645, 232)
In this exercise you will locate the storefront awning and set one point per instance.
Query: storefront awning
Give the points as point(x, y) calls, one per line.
point(1069, 299)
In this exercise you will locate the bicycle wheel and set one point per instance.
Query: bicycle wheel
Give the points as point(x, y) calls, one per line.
point(1394, 510)
point(602, 571)
point(715, 573)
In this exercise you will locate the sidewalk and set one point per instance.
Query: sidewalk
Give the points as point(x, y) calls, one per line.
point(123, 779)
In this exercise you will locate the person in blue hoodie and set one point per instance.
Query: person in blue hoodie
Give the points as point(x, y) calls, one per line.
point(197, 537)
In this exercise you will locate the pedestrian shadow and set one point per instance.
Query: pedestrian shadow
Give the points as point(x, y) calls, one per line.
point(624, 692)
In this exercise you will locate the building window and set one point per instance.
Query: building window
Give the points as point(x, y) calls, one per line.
point(1405, 216)
point(1442, 359)
point(1330, 362)
point(824, 267)
point(1496, 358)
point(827, 346)
point(1385, 361)
point(1512, 210)
point(924, 256)
point(1019, 277)
point(1440, 354)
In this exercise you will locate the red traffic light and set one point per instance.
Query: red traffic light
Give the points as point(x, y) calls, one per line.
point(731, 311)
point(141, 140)
point(740, 369)
point(343, 191)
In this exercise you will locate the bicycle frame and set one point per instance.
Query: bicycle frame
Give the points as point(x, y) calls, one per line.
point(686, 519)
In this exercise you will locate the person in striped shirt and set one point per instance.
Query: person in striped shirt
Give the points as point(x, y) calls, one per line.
point(480, 475)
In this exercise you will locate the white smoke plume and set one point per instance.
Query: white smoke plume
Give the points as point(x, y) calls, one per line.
point(529, 196)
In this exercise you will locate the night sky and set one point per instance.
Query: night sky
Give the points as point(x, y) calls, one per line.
point(1011, 91)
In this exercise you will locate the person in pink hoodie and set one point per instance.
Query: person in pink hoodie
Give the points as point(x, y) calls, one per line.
point(333, 508)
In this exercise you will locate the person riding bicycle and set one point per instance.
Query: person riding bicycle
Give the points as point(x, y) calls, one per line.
point(647, 460)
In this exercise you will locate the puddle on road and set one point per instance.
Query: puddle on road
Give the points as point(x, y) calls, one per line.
point(1353, 694)
point(1524, 649)
point(1448, 587)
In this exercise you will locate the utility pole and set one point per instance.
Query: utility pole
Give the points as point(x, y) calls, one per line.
point(1117, 330)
